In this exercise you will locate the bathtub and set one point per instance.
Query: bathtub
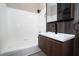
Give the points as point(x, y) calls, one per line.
point(20, 48)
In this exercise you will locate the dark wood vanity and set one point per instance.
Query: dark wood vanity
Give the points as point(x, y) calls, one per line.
point(52, 47)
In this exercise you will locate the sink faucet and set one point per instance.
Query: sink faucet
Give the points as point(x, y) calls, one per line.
point(56, 28)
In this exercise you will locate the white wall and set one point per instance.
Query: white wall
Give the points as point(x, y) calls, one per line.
point(22, 25)
point(3, 26)
point(2, 5)
point(18, 25)
point(42, 21)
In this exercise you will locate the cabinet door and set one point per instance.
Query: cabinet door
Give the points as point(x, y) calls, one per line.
point(45, 45)
point(56, 49)
point(42, 43)
point(53, 48)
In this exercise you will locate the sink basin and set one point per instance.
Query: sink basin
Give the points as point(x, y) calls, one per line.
point(59, 36)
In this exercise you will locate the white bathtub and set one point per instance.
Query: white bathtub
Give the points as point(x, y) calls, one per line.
point(20, 48)
point(59, 36)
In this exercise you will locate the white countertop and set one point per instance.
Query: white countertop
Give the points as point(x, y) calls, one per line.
point(59, 36)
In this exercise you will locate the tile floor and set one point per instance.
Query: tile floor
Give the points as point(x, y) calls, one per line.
point(38, 54)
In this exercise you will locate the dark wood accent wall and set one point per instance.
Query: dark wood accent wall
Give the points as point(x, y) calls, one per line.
point(52, 47)
point(65, 17)
point(76, 45)
point(65, 11)
point(51, 27)
point(62, 27)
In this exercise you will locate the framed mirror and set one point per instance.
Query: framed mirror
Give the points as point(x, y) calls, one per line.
point(51, 12)
point(60, 12)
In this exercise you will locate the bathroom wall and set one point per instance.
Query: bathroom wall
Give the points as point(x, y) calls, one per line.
point(3, 26)
point(76, 15)
point(22, 24)
point(19, 25)
point(42, 21)
point(2, 5)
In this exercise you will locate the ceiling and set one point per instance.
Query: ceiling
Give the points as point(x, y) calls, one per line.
point(32, 7)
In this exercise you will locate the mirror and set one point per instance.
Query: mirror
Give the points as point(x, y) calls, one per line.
point(51, 12)
point(60, 12)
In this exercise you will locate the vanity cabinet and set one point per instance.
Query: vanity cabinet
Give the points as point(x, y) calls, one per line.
point(52, 47)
